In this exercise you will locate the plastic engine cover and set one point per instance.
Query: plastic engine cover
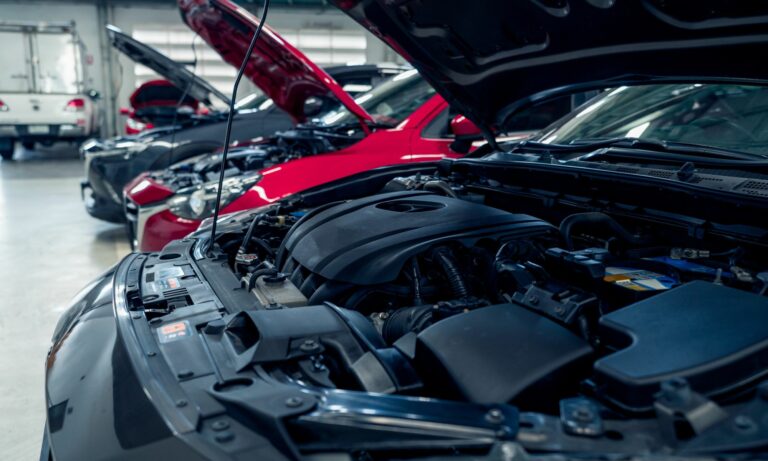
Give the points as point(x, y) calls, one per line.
point(367, 241)
point(714, 336)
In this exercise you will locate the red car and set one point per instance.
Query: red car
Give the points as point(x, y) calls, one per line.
point(154, 102)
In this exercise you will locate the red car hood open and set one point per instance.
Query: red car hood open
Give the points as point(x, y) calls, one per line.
point(155, 93)
point(283, 72)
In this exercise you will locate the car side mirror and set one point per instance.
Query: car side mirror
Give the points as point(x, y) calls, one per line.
point(126, 111)
point(462, 127)
point(464, 132)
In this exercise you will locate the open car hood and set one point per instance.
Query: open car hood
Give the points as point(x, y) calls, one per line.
point(169, 69)
point(490, 58)
point(283, 72)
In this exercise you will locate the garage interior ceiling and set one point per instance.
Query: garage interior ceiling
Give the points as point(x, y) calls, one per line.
point(323, 46)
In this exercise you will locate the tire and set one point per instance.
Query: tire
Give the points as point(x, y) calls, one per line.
point(6, 149)
point(28, 145)
point(45, 448)
point(131, 236)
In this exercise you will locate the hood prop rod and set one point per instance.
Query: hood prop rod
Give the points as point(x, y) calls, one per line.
point(230, 116)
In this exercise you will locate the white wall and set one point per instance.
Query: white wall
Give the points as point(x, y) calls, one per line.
point(115, 82)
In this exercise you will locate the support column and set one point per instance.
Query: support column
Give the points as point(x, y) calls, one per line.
point(105, 14)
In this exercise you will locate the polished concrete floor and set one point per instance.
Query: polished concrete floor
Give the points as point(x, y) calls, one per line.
point(49, 248)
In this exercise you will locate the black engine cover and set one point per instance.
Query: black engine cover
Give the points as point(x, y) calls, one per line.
point(714, 336)
point(367, 241)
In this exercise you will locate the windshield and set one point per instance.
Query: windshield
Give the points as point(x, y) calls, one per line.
point(389, 103)
point(254, 101)
point(732, 117)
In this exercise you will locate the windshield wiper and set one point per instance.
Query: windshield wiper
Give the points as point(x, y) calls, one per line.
point(686, 149)
point(356, 124)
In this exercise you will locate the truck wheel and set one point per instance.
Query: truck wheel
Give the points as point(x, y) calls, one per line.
point(28, 145)
point(6, 149)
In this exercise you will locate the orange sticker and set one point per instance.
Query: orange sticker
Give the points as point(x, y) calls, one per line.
point(173, 331)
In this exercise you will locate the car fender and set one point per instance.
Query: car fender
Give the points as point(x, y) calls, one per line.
point(91, 383)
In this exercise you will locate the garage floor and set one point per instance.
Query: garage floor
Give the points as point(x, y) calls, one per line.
point(49, 248)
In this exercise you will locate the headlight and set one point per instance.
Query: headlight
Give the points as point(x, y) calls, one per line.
point(199, 203)
point(136, 125)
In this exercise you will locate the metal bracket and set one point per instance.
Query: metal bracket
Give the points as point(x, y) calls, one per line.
point(677, 403)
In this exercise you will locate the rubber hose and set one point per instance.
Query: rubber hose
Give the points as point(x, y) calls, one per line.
point(416, 274)
point(257, 274)
point(440, 186)
point(444, 258)
point(406, 320)
point(594, 218)
point(329, 291)
point(359, 295)
point(249, 234)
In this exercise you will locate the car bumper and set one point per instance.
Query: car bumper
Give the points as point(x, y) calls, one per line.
point(43, 132)
point(100, 207)
point(153, 226)
point(99, 196)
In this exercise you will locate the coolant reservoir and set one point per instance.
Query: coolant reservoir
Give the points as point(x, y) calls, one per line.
point(276, 290)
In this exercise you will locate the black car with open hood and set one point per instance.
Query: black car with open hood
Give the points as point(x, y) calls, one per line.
point(173, 71)
point(597, 291)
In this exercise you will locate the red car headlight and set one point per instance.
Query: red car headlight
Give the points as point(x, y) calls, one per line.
point(199, 203)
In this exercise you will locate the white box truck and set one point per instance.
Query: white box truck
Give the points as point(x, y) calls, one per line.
point(43, 93)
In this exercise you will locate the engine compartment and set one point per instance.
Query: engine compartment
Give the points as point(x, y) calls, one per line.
point(435, 289)
point(414, 262)
point(302, 141)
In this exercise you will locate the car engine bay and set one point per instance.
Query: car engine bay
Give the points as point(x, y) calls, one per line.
point(440, 289)
point(303, 141)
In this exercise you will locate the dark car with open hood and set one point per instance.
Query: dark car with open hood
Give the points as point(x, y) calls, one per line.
point(597, 291)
